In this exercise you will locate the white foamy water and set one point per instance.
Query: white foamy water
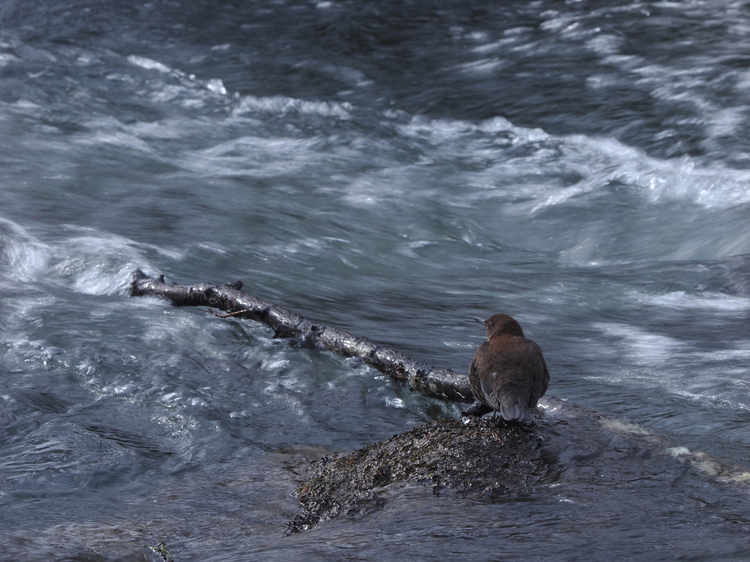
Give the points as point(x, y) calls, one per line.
point(393, 170)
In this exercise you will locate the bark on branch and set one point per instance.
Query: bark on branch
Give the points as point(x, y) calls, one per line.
point(418, 376)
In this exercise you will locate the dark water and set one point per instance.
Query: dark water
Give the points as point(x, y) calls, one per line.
point(393, 169)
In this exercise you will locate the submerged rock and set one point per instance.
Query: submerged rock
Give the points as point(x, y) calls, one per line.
point(487, 458)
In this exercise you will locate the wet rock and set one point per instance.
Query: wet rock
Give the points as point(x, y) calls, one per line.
point(488, 458)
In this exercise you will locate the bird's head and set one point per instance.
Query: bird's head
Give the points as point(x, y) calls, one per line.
point(500, 324)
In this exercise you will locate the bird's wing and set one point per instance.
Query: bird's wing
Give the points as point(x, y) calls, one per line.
point(540, 383)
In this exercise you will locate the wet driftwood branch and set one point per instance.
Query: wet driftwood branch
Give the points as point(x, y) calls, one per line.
point(418, 376)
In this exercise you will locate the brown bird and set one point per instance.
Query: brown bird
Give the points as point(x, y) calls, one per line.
point(508, 373)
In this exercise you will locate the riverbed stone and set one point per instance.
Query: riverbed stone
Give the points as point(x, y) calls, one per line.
point(485, 458)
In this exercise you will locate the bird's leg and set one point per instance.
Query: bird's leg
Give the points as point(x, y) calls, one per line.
point(477, 409)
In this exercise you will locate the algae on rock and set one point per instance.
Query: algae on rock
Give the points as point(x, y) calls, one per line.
point(482, 457)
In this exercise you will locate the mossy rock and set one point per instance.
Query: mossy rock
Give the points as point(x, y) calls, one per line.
point(488, 458)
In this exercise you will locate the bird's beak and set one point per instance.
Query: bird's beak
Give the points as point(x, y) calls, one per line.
point(479, 320)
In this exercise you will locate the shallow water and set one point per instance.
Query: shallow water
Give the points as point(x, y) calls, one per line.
point(393, 169)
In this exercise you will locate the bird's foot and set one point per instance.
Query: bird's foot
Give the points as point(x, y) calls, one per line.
point(477, 409)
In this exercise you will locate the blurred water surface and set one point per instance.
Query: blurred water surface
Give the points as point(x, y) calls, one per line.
point(393, 169)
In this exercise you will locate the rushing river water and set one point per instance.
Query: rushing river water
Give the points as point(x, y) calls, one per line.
point(392, 168)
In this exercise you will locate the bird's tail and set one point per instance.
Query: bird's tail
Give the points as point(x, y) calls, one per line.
point(515, 411)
